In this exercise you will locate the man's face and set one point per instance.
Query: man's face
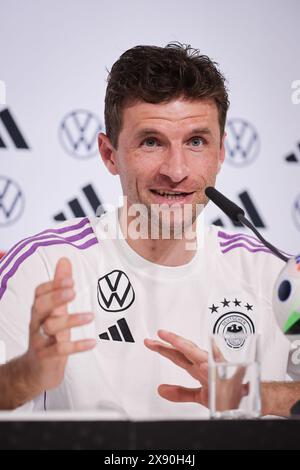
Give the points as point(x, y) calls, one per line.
point(169, 153)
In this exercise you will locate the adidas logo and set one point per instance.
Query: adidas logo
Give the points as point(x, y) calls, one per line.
point(294, 157)
point(122, 333)
point(12, 131)
point(78, 207)
point(250, 209)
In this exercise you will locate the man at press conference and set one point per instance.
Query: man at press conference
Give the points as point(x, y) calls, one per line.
point(165, 115)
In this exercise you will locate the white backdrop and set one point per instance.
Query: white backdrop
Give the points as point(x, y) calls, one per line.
point(53, 59)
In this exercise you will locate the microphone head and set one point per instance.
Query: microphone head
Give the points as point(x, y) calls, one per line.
point(227, 206)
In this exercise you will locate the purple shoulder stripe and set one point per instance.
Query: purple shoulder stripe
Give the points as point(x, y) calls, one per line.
point(258, 244)
point(73, 238)
point(33, 248)
point(233, 236)
point(46, 238)
point(50, 231)
point(243, 245)
point(248, 241)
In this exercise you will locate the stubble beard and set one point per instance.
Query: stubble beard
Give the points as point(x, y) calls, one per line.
point(161, 221)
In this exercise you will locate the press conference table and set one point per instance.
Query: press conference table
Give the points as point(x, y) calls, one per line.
point(62, 431)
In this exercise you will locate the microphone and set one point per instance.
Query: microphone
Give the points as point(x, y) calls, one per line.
point(237, 214)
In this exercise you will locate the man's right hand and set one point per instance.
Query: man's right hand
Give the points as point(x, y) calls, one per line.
point(49, 332)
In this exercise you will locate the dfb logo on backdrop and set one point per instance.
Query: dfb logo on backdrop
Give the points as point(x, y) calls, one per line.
point(78, 133)
point(11, 201)
point(77, 205)
point(296, 212)
point(13, 131)
point(242, 142)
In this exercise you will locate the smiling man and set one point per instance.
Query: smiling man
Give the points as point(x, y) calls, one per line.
point(166, 155)
point(165, 113)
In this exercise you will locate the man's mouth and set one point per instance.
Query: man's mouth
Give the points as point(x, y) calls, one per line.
point(172, 196)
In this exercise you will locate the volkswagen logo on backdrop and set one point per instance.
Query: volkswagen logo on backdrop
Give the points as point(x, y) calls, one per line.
point(242, 142)
point(11, 201)
point(78, 133)
point(296, 212)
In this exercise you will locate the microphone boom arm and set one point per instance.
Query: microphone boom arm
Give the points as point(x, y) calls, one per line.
point(271, 247)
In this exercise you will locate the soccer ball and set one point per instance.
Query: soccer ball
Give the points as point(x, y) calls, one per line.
point(286, 299)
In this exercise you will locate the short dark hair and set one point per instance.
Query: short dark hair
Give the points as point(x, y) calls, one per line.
point(159, 74)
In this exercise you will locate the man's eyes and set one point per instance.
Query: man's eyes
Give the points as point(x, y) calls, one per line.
point(150, 142)
point(196, 141)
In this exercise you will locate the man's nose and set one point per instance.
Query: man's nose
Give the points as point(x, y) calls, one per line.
point(175, 165)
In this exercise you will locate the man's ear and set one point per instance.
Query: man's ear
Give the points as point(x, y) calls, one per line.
point(108, 153)
point(222, 152)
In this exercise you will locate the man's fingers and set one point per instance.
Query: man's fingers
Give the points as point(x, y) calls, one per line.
point(63, 269)
point(155, 345)
point(177, 393)
point(52, 297)
point(239, 375)
point(54, 325)
point(189, 349)
point(64, 349)
point(217, 354)
point(49, 303)
point(198, 370)
point(48, 287)
point(169, 352)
